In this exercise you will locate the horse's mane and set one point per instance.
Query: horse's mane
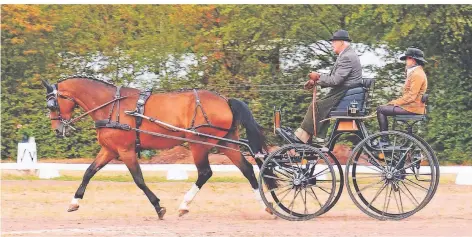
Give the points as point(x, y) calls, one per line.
point(85, 77)
point(88, 77)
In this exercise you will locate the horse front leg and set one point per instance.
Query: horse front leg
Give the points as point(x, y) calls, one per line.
point(200, 157)
point(129, 158)
point(103, 157)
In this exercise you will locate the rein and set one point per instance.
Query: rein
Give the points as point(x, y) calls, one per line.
point(314, 109)
point(97, 108)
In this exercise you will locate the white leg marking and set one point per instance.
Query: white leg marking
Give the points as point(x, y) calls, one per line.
point(259, 198)
point(189, 197)
point(75, 201)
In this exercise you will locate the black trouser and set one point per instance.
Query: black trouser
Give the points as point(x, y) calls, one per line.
point(389, 110)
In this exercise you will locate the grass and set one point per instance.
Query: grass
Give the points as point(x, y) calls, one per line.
point(159, 177)
point(125, 177)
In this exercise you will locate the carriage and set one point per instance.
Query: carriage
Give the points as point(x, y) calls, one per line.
point(385, 181)
point(296, 182)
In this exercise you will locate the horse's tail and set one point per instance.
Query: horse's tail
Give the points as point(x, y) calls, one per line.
point(257, 140)
point(242, 115)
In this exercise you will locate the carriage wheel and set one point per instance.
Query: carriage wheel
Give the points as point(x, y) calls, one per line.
point(338, 191)
point(302, 180)
point(393, 180)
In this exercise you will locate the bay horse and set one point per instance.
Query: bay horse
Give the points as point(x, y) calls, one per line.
point(180, 109)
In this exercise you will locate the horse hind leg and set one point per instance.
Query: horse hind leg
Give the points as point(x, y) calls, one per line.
point(103, 157)
point(129, 158)
point(200, 156)
point(246, 168)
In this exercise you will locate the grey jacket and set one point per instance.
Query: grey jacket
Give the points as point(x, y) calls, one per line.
point(347, 71)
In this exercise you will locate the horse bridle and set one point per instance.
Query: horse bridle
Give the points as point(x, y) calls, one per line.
point(53, 105)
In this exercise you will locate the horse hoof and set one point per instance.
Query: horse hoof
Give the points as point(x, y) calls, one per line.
point(182, 212)
point(161, 213)
point(268, 210)
point(73, 207)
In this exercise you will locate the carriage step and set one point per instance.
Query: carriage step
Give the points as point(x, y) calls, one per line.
point(287, 134)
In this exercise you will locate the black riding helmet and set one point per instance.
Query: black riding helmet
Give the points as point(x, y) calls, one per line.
point(415, 53)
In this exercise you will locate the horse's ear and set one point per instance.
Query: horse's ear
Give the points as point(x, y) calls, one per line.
point(47, 85)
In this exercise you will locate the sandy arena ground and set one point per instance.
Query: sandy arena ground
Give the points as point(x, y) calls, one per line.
point(38, 208)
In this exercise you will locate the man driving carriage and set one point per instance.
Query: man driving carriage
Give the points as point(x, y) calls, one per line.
point(346, 73)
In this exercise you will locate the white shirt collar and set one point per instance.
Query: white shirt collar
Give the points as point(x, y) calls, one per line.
point(410, 70)
point(343, 51)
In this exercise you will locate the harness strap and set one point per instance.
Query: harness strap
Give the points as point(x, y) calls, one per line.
point(199, 105)
point(99, 107)
point(117, 95)
point(143, 97)
point(105, 123)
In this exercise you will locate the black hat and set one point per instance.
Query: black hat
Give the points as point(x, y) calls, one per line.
point(341, 35)
point(414, 53)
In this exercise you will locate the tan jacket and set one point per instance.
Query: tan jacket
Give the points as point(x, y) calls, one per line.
point(415, 86)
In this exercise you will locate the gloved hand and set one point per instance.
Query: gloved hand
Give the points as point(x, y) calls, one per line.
point(309, 85)
point(314, 76)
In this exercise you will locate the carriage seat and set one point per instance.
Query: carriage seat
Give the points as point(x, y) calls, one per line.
point(359, 94)
point(415, 118)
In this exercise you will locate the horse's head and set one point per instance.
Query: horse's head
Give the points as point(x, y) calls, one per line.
point(60, 109)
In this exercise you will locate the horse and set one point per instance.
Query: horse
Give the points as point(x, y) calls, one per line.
point(200, 110)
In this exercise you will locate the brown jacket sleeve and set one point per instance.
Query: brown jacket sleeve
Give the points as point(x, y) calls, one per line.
point(410, 95)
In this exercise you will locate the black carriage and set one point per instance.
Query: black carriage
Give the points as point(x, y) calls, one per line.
point(386, 181)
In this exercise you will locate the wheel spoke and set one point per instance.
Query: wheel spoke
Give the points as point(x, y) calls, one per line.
point(276, 178)
point(293, 201)
point(280, 172)
point(314, 196)
point(373, 159)
point(316, 186)
point(414, 201)
point(286, 193)
point(410, 174)
point(401, 158)
point(408, 166)
point(375, 168)
point(281, 167)
point(377, 194)
point(369, 176)
point(317, 174)
point(418, 186)
point(389, 197)
point(323, 189)
point(277, 188)
point(396, 201)
point(370, 185)
point(304, 202)
point(393, 151)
